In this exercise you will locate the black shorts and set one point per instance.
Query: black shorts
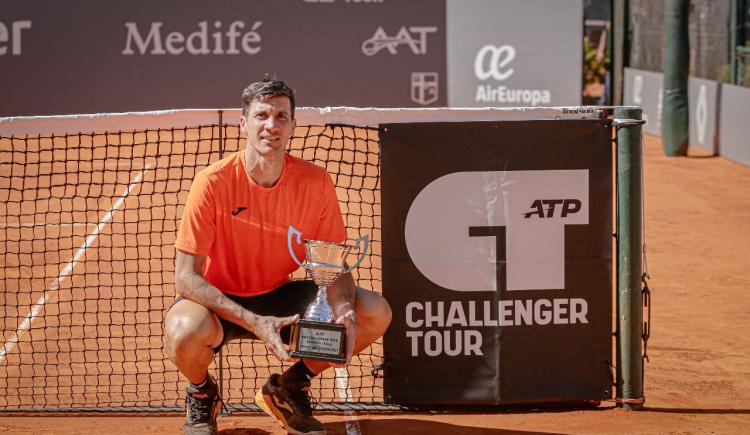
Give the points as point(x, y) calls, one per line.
point(291, 298)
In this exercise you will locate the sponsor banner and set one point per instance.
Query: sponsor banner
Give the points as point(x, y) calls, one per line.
point(497, 262)
point(76, 56)
point(514, 52)
point(734, 127)
point(703, 99)
point(646, 90)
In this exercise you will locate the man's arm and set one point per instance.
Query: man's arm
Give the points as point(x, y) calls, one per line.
point(343, 298)
point(191, 284)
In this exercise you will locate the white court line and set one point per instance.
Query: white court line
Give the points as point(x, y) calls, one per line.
point(345, 393)
point(45, 224)
point(90, 239)
point(86, 166)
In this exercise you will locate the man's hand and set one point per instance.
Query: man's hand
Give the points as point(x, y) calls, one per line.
point(267, 328)
point(349, 320)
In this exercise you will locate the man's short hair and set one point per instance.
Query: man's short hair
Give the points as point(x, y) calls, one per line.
point(264, 89)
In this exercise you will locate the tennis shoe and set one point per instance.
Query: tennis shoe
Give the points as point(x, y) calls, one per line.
point(202, 405)
point(290, 406)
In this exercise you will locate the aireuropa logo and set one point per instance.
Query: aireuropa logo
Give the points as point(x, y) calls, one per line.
point(494, 63)
point(15, 37)
point(487, 219)
point(414, 37)
point(200, 42)
point(424, 87)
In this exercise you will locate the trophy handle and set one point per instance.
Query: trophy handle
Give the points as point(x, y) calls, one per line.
point(292, 231)
point(366, 240)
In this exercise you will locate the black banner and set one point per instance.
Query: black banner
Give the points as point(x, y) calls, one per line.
point(497, 261)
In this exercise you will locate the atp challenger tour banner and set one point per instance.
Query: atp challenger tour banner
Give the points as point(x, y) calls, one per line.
point(497, 261)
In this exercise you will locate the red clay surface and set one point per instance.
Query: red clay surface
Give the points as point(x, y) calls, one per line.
point(698, 378)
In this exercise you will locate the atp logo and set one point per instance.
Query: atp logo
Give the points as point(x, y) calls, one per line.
point(538, 209)
point(494, 230)
point(492, 62)
point(413, 37)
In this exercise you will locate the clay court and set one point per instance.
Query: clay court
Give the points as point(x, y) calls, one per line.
point(697, 380)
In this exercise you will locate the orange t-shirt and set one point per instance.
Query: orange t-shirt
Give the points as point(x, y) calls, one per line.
point(241, 227)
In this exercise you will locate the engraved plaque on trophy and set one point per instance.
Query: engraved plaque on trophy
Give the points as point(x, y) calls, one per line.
point(315, 336)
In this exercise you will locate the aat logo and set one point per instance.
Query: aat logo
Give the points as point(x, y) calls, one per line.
point(496, 230)
point(414, 37)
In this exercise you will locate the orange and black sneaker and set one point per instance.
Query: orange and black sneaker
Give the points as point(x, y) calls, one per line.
point(290, 406)
point(202, 405)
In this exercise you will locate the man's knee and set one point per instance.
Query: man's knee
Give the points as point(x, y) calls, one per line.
point(190, 331)
point(374, 313)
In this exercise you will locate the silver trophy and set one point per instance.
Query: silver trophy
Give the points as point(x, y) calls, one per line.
point(315, 336)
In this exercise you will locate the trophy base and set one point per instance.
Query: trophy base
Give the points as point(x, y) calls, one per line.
point(319, 341)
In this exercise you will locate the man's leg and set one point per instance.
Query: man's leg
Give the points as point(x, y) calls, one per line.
point(373, 318)
point(191, 332)
point(285, 396)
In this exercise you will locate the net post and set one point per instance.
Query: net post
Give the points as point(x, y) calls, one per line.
point(621, 47)
point(224, 409)
point(629, 379)
point(221, 134)
point(737, 36)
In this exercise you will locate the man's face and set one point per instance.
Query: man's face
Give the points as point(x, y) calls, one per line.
point(268, 125)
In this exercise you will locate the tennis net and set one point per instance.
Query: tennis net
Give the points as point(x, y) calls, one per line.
point(89, 219)
point(89, 210)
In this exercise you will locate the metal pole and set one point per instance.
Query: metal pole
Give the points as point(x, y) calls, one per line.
point(224, 409)
point(675, 113)
point(221, 134)
point(629, 260)
point(620, 48)
point(733, 41)
point(741, 47)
